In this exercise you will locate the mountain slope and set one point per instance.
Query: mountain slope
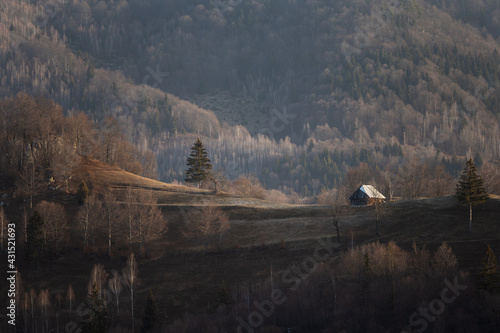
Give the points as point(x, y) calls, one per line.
point(364, 74)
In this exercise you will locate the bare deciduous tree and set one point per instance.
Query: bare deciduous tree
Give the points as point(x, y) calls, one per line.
point(112, 215)
point(130, 278)
point(216, 177)
point(440, 182)
point(491, 177)
point(249, 187)
point(82, 133)
point(129, 212)
point(70, 296)
point(206, 224)
point(44, 303)
point(116, 287)
point(149, 222)
point(65, 160)
point(339, 205)
point(413, 177)
point(89, 217)
point(29, 180)
point(55, 226)
point(111, 137)
point(358, 176)
point(444, 260)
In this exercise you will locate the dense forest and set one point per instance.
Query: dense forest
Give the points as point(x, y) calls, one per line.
point(349, 80)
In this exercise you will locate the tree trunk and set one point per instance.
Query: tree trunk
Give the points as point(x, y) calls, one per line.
point(132, 301)
point(85, 233)
point(470, 218)
point(109, 238)
point(118, 305)
point(130, 233)
point(220, 239)
point(336, 224)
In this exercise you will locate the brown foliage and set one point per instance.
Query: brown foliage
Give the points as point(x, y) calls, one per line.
point(148, 222)
point(249, 187)
point(206, 223)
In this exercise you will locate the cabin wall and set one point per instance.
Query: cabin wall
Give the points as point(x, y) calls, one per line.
point(365, 202)
point(359, 202)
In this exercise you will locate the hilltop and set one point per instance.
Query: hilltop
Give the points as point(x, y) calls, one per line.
point(263, 237)
point(427, 221)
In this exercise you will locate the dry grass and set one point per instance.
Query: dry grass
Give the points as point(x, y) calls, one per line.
point(186, 279)
point(256, 222)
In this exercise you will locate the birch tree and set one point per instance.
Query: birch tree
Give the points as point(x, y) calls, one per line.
point(65, 160)
point(129, 211)
point(339, 208)
point(111, 215)
point(116, 287)
point(70, 296)
point(44, 303)
point(130, 277)
point(89, 218)
point(55, 226)
point(149, 222)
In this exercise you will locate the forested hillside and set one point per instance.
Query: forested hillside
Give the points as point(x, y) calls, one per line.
point(319, 87)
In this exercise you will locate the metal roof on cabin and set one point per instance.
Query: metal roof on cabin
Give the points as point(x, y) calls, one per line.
point(366, 191)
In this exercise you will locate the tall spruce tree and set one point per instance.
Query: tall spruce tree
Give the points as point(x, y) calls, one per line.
point(150, 319)
point(96, 320)
point(470, 189)
point(198, 164)
point(489, 279)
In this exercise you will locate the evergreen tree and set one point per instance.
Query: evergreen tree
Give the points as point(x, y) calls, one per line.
point(150, 320)
point(489, 279)
point(470, 189)
point(198, 164)
point(83, 192)
point(90, 72)
point(96, 319)
point(223, 296)
point(35, 242)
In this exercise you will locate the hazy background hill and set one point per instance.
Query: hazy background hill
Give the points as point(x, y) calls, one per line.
point(296, 92)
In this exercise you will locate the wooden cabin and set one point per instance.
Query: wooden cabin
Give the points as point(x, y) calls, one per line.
point(366, 195)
